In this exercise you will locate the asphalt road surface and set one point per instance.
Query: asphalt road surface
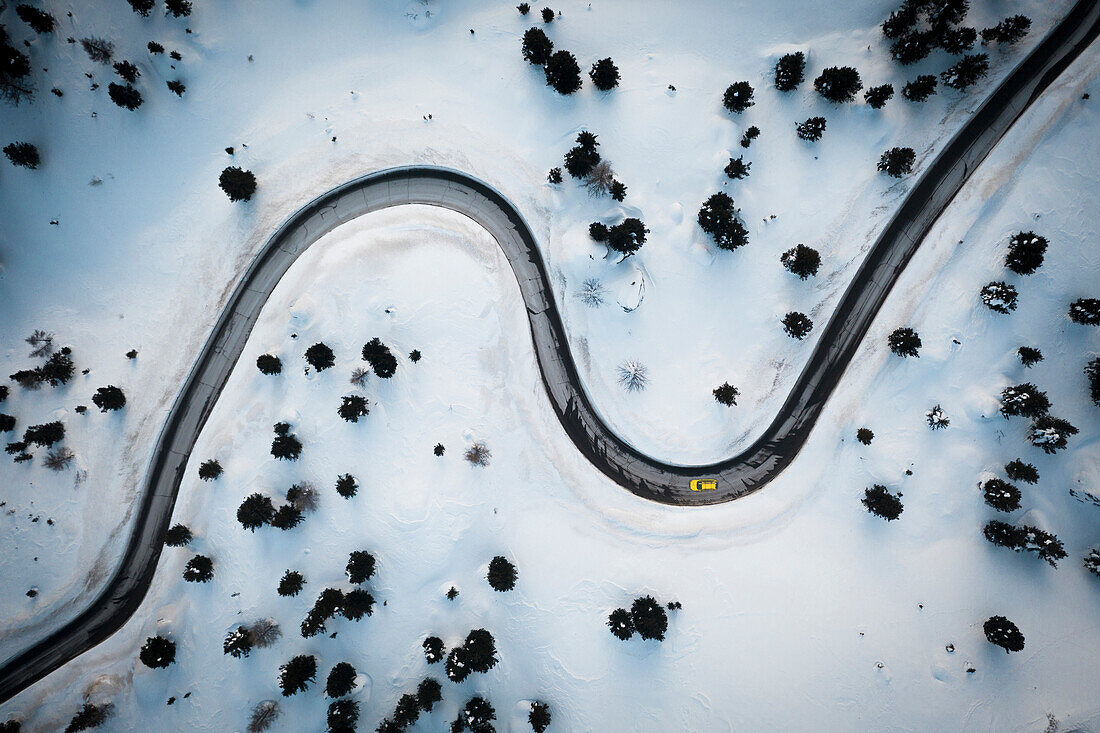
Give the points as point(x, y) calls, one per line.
point(640, 474)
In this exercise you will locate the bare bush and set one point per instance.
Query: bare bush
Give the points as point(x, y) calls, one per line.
point(98, 49)
point(264, 632)
point(58, 459)
point(592, 293)
point(264, 716)
point(359, 376)
point(42, 341)
point(303, 496)
point(599, 179)
point(633, 375)
point(479, 454)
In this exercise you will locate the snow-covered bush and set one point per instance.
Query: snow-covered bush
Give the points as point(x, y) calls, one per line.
point(719, 218)
point(738, 97)
point(838, 84)
point(633, 375)
point(789, 71)
point(999, 297)
point(1092, 562)
point(812, 129)
point(897, 162)
point(1005, 634)
point(880, 502)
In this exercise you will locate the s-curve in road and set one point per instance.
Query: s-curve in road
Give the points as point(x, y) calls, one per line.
point(640, 474)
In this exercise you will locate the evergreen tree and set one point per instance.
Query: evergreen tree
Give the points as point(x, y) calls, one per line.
point(124, 95)
point(295, 675)
point(343, 716)
point(1092, 562)
point(563, 73)
point(176, 86)
point(618, 190)
point(958, 40)
point(352, 407)
point(178, 8)
point(598, 231)
point(109, 398)
point(737, 168)
point(750, 134)
point(920, 88)
point(1017, 470)
point(89, 716)
point(1025, 537)
point(790, 71)
point(966, 72)
point(1001, 495)
point(177, 535)
point(502, 574)
point(1085, 311)
point(627, 237)
point(44, 435)
point(882, 503)
point(911, 46)
point(7, 423)
point(1025, 252)
point(1008, 31)
point(15, 68)
point(877, 97)
point(357, 604)
point(1050, 433)
point(937, 419)
point(537, 47)
point(738, 97)
point(286, 445)
point(539, 716)
point(554, 176)
point(547, 15)
point(999, 297)
point(255, 511)
point(346, 486)
point(801, 260)
point(604, 75)
point(719, 218)
point(524, 8)
point(797, 325)
point(407, 711)
point(238, 184)
point(477, 716)
point(341, 680)
point(199, 569)
point(428, 693)
point(1003, 534)
point(620, 623)
point(904, 342)
point(320, 356)
point(381, 359)
point(726, 394)
point(287, 517)
point(583, 157)
point(58, 369)
point(1005, 634)
point(480, 650)
point(291, 583)
point(24, 155)
point(865, 436)
point(360, 566)
point(40, 21)
point(153, 46)
point(127, 71)
point(1025, 400)
point(1092, 374)
point(269, 364)
point(838, 84)
point(210, 470)
point(1029, 356)
point(812, 129)
point(157, 652)
point(897, 162)
point(141, 7)
point(457, 668)
point(434, 651)
point(900, 21)
point(649, 618)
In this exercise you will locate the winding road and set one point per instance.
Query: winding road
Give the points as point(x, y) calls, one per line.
point(640, 474)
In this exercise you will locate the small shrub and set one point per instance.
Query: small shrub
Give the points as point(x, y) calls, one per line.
point(750, 134)
point(176, 86)
point(479, 454)
point(554, 176)
point(58, 459)
point(937, 419)
point(737, 168)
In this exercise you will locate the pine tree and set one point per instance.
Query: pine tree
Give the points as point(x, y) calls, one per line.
point(801, 260)
point(1026, 251)
point(737, 168)
point(1005, 634)
point(360, 566)
point(1050, 433)
point(1085, 311)
point(910, 47)
point(352, 407)
point(524, 8)
point(502, 574)
point(537, 47)
point(539, 716)
point(23, 155)
point(547, 15)
point(346, 486)
point(477, 716)
point(44, 435)
point(790, 71)
point(1025, 537)
point(1029, 356)
point(882, 503)
point(58, 369)
point(210, 470)
point(897, 162)
point(40, 21)
point(937, 419)
point(920, 88)
point(109, 398)
point(177, 535)
point(15, 68)
point(1092, 374)
point(1017, 470)
point(865, 436)
point(238, 184)
point(90, 716)
point(627, 237)
point(620, 623)
point(563, 73)
point(428, 693)
point(157, 652)
point(838, 84)
point(738, 97)
point(554, 176)
point(141, 7)
point(295, 675)
point(904, 342)
point(1008, 31)
point(604, 75)
point(1003, 534)
point(1025, 400)
point(649, 618)
point(719, 218)
point(583, 157)
point(726, 394)
point(357, 604)
point(481, 652)
point(434, 651)
point(407, 711)
point(124, 95)
point(750, 134)
point(1001, 495)
point(1092, 562)
point(999, 297)
point(286, 445)
point(287, 517)
point(343, 716)
point(320, 356)
point(797, 325)
point(127, 71)
point(900, 21)
point(176, 86)
point(598, 231)
point(812, 129)
point(291, 583)
point(178, 8)
point(7, 423)
point(199, 569)
point(618, 190)
point(381, 359)
point(255, 511)
point(966, 72)
point(269, 364)
point(153, 46)
point(877, 97)
point(958, 40)
point(341, 680)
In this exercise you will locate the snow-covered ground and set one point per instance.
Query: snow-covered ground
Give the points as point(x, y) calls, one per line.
point(791, 597)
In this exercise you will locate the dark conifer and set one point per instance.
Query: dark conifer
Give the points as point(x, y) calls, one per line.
point(157, 652)
point(124, 95)
point(291, 583)
point(178, 8)
point(627, 237)
point(838, 84)
point(539, 716)
point(39, 20)
point(269, 364)
point(1085, 311)
point(199, 569)
point(238, 184)
point(726, 394)
point(738, 97)
point(1092, 374)
point(1017, 470)
point(1005, 634)
point(141, 7)
point(23, 155)
point(920, 88)
point(360, 566)
point(1025, 400)
point(177, 535)
point(255, 511)
point(1029, 356)
point(357, 604)
point(604, 75)
point(295, 675)
point(649, 618)
point(381, 359)
point(812, 129)
point(737, 168)
point(1001, 495)
point(90, 716)
point(346, 486)
point(176, 86)
point(127, 71)
point(865, 436)
point(44, 435)
point(563, 73)
point(1026, 251)
point(109, 398)
point(797, 325)
point(428, 693)
point(877, 97)
point(789, 71)
point(801, 260)
point(352, 407)
point(1050, 433)
point(537, 47)
point(897, 162)
point(966, 72)
point(287, 517)
point(434, 651)
point(502, 574)
point(719, 218)
point(341, 680)
point(880, 502)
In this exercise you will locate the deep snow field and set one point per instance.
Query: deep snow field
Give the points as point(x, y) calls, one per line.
point(799, 609)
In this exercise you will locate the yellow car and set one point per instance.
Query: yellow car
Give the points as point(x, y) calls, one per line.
point(704, 484)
